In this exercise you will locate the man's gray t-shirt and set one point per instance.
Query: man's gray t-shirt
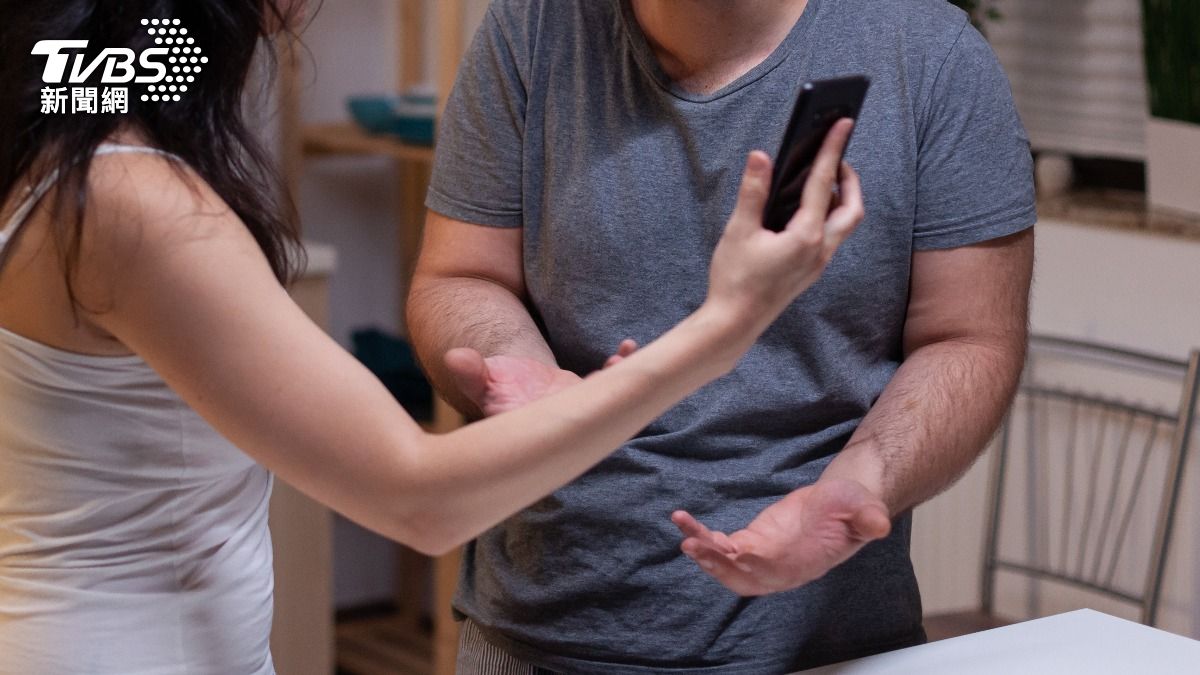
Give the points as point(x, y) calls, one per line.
point(563, 123)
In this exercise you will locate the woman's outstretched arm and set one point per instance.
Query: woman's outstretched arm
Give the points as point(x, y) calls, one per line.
point(171, 272)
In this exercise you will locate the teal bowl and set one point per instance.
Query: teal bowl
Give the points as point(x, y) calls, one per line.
point(409, 118)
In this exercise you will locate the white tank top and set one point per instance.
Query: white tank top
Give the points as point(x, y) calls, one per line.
point(133, 537)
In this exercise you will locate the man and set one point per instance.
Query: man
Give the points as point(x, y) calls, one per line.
point(589, 155)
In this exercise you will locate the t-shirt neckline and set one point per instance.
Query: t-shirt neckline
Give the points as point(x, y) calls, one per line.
point(649, 62)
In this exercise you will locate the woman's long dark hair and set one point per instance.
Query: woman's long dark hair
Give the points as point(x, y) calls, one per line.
point(205, 128)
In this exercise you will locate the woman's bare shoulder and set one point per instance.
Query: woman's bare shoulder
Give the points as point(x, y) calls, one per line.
point(145, 193)
point(143, 208)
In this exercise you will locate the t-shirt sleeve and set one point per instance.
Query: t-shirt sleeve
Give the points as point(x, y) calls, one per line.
point(477, 168)
point(974, 168)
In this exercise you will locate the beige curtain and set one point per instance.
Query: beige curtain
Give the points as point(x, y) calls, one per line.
point(1076, 69)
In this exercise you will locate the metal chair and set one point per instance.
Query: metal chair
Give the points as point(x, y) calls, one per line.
point(1084, 483)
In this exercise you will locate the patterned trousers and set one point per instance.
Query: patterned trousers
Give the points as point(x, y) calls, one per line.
point(477, 656)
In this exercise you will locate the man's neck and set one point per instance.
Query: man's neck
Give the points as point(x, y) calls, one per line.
point(704, 45)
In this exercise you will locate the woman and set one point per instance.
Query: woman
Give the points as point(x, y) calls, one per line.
point(153, 369)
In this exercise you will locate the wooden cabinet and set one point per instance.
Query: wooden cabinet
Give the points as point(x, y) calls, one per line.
point(302, 532)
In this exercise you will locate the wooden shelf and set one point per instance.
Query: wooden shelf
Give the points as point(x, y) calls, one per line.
point(346, 138)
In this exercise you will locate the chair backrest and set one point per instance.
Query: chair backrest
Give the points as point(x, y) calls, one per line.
point(1086, 478)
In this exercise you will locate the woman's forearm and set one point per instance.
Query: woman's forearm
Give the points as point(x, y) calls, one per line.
point(472, 477)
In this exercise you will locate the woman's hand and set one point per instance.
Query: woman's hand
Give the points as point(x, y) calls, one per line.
point(755, 272)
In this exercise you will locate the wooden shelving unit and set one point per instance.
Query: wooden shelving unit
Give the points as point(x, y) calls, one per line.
point(303, 142)
point(346, 138)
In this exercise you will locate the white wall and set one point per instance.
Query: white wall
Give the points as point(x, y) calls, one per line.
point(1122, 288)
point(350, 202)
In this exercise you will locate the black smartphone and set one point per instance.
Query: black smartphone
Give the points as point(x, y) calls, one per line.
point(820, 104)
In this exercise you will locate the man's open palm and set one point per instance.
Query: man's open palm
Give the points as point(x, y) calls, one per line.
point(792, 542)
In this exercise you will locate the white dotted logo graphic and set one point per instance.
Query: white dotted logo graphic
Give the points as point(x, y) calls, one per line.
point(185, 60)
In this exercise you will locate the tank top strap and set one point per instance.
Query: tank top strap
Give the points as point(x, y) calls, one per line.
point(35, 194)
point(116, 148)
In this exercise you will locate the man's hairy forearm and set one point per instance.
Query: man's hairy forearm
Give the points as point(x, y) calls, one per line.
point(933, 419)
point(446, 313)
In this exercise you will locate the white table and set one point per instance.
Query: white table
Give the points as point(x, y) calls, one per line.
point(1080, 642)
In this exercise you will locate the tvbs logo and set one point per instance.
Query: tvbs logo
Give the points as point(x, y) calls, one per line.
point(118, 63)
point(166, 70)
